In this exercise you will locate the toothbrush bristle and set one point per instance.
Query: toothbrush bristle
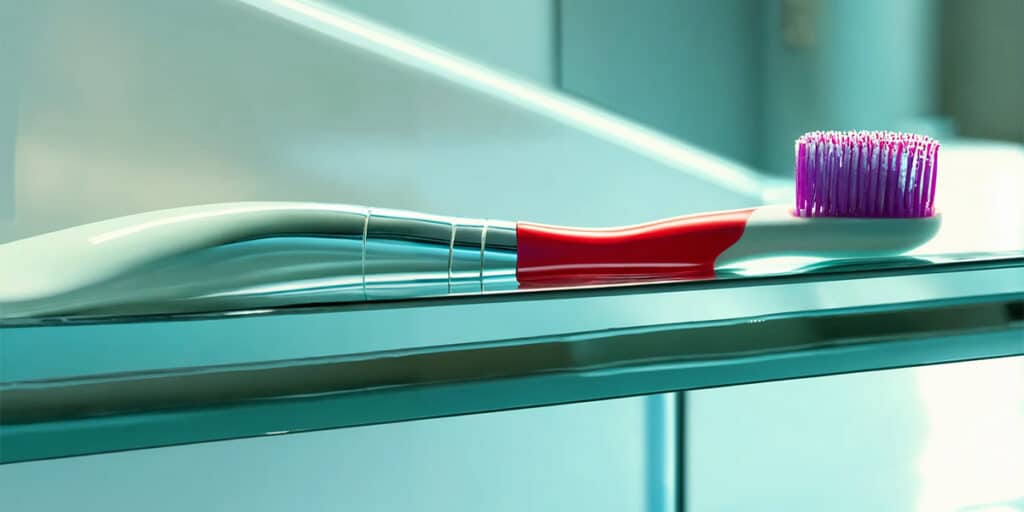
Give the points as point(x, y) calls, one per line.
point(865, 174)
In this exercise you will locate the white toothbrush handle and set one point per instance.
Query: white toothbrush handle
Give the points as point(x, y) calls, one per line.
point(774, 231)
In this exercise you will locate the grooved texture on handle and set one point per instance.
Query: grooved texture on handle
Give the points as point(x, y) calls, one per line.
point(676, 248)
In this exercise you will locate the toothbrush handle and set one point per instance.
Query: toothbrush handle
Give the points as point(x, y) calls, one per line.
point(680, 247)
point(255, 255)
point(252, 255)
point(410, 254)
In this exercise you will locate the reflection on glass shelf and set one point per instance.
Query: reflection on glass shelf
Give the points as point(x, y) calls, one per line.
point(781, 266)
point(312, 297)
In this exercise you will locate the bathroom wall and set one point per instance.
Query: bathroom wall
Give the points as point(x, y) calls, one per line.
point(838, 65)
point(984, 73)
point(688, 68)
point(515, 37)
point(11, 65)
point(744, 79)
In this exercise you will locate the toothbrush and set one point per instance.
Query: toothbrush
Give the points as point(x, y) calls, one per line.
point(857, 194)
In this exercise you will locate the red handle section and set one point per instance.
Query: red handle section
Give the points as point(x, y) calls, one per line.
point(676, 248)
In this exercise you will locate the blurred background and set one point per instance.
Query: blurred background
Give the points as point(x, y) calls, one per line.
point(589, 112)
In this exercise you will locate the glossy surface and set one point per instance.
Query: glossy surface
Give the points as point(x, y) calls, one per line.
point(678, 248)
point(774, 231)
point(406, 255)
point(195, 258)
point(238, 256)
point(500, 256)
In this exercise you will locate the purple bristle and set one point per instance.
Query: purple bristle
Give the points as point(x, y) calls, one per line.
point(865, 174)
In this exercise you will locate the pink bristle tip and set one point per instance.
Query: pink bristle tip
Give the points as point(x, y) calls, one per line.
point(865, 174)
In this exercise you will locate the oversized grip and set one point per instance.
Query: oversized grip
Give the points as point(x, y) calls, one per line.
point(676, 248)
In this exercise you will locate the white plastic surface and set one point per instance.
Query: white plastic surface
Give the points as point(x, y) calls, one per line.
point(773, 231)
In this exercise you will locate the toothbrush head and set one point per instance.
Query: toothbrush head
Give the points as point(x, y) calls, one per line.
point(865, 174)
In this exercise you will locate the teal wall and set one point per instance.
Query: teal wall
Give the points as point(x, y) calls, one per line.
point(686, 67)
point(744, 79)
point(984, 72)
point(514, 36)
point(11, 65)
point(857, 70)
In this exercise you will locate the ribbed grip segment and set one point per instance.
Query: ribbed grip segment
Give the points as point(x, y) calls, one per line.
point(676, 248)
point(410, 254)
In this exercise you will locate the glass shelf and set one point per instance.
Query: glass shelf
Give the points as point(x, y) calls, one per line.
point(231, 375)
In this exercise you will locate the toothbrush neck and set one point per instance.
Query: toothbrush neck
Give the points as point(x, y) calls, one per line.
point(680, 247)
